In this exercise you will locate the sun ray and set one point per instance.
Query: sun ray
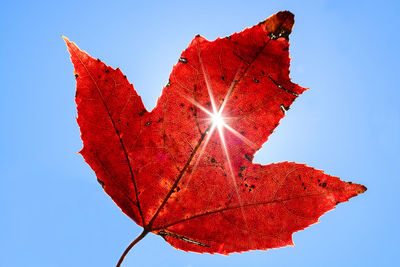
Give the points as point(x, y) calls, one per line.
point(208, 84)
point(197, 104)
point(218, 122)
point(217, 119)
point(201, 152)
point(228, 94)
point(241, 137)
point(232, 175)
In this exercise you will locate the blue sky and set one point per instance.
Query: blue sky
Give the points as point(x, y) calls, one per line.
point(53, 211)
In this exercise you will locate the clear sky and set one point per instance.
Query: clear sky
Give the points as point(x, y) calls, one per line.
point(54, 213)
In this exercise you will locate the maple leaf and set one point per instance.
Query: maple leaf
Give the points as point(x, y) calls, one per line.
point(184, 170)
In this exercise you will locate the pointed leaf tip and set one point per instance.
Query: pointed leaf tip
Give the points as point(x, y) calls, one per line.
point(71, 46)
point(362, 189)
point(279, 24)
point(66, 40)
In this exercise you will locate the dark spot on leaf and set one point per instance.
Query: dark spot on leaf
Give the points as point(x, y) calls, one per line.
point(272, 36)
point(245, 185)
point(212, 160)
point(147, 123)
point(228, 37)
point(284, 108)
point(323, 184)
point(169, 83)
point(255, 80)
point(182, 104)
point(223, 78)
point(350, 183)
point(262, 72)
point(183, 60)
point(302, 184)
point(197, 35)
point(284, 33)
point(252, 186)
point(142, 112)
point(249, 189)
point(208, 104)
point(124, 76)
point(242, 168)
point(100, 182)
point(248, 157)
point(107, 71)
point(178, 188)
point(76, 75)
point(240, 174)
point(98, 60)
point(106, 80)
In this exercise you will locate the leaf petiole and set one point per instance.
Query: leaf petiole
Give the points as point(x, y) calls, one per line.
point(140, 237)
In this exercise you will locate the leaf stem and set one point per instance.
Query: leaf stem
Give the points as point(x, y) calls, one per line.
point(140, 237)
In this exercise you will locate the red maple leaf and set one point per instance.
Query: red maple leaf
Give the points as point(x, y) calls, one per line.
point(184, 170)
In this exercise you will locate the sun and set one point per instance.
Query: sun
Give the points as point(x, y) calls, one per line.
point(217, 120)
